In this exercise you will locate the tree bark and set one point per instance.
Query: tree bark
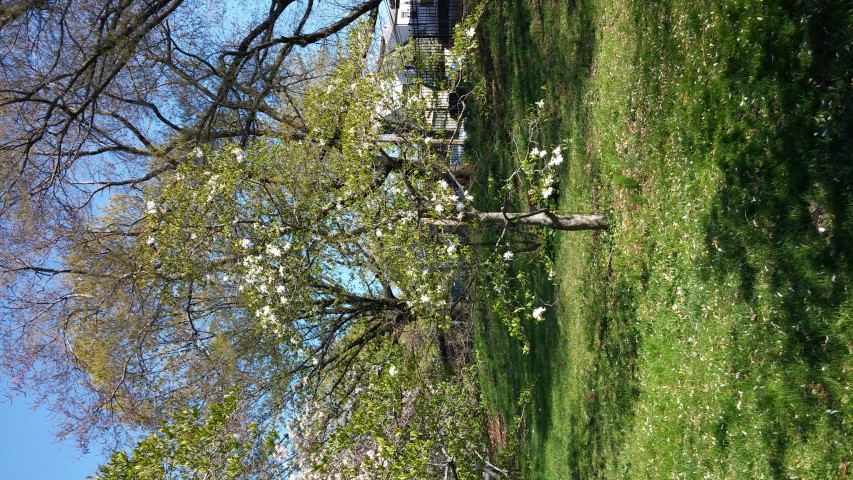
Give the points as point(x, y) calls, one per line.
point(543, 218)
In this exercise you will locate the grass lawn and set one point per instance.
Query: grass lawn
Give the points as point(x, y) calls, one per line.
point(709, 332)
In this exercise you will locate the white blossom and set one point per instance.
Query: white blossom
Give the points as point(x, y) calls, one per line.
point(508, 255)
point(540, 104)
point(547, 192)
point(539, 313)
point(392, 371)
point(425, 298)
point(439, 208)
point(238, 154)
point(280, 453)
point(151, 207)
point(245, 243)
point(273, 250)
point(150, 241)
point(378, 233)
point(556, 157)
point(470, 32)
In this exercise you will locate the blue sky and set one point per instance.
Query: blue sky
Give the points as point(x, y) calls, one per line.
point(28, 446)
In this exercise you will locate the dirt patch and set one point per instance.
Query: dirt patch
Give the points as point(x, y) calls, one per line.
point(496, 427)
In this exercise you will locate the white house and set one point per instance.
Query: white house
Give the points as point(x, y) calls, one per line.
point(428, 26)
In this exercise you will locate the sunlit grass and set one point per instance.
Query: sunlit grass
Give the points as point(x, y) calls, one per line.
point(709, 334)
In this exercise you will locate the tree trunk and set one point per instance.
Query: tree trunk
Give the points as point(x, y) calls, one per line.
point(544, 218)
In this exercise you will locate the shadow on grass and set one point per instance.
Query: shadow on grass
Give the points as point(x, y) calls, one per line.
point(783, 225)
point(530, 51)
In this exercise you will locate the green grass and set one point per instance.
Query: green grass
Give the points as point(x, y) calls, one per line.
point(709, 333)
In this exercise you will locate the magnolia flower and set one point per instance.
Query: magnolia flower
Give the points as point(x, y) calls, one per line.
point(556, 157)
point(508, 255)
point(425, 298)
point(439, 208)
point(378, 233)
point(150, 241)
point(451, 249)
point(470, 32)
point(443, 183)
point(238, 154)
point(273, 250)
point(547, 192)
point(428, 140)
point(392, 371)
point(540, 104)
point(280, 453)
point(539, 313)
point(151, 207)
point(535, 151)
point(245, 243)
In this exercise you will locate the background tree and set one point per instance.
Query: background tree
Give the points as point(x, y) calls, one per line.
point(100, 100)
point(196, 444)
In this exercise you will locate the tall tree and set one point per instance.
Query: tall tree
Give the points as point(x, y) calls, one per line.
point(99, 100)
point(286, 265)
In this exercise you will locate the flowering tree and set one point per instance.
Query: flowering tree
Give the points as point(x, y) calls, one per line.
point(296, 266)
point(402, 423)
